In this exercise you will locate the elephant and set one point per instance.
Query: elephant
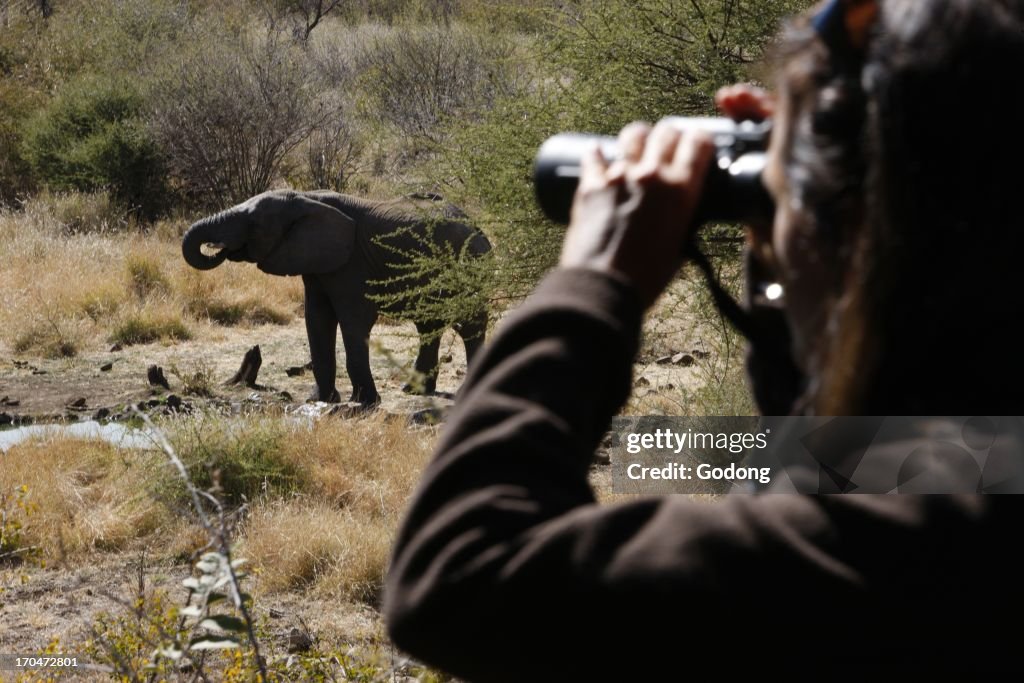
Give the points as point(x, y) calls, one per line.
point(348, 251)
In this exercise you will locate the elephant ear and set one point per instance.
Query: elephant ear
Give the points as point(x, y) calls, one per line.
point(320, 239)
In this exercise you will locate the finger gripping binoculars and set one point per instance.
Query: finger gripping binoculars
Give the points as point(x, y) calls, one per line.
point(733, 192)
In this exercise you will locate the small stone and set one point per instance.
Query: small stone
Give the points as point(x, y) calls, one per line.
point(295, 371)
point(106, 367)
point(664, 360)
point(667, 387)
point(285, 396)
point(276, 613)
point(447, 358)
point(115, 348)
point(299, 641)
point(77, 403)
point(642, 382)
point(6, 419)
point(173, 402)
point(700, 355)
point(37, 371)
point(101, 414)
point(683, 359)
point(428, 416)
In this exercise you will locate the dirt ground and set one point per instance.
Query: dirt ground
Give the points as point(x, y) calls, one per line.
point(44, 390)
point(62, 600)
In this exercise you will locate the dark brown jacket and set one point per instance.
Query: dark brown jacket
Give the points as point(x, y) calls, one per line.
point(507, 570)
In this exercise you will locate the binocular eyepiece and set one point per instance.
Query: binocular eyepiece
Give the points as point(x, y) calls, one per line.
point(733, 191)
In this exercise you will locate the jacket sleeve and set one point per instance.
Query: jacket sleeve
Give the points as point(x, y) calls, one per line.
point(506, 569)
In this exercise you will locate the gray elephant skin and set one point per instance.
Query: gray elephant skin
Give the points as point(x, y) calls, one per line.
point(346, 249)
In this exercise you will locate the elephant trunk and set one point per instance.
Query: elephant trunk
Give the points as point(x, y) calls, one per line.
point(206, 231)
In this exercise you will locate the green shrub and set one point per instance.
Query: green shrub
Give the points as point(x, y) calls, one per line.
point(91, 137)
point(230, 313)
point(237, 458)
point(144, 328)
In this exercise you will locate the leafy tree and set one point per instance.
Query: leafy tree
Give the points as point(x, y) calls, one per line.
point(600, 64)
point(231, 111)
point(92, 137)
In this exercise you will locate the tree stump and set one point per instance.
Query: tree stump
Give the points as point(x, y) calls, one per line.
point(250, 368)
point(155, 375)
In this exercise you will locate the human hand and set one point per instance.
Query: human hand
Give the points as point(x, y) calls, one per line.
point(633, 216)
point(745, 102)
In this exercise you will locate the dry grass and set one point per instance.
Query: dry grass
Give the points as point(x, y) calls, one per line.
point(336, 537)
point(325, 498)
point(75, 276)
point(303, 543)
point(84, 495)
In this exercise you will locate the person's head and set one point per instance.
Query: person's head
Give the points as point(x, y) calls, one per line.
point(898, 233)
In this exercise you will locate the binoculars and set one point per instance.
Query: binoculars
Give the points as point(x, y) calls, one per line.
point(733, 191)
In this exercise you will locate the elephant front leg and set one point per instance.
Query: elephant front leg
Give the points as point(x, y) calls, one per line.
point(357, 363)
point(322, 333)
point(426, 360)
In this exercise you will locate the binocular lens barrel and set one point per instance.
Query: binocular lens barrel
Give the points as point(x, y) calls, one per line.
point(733, 189)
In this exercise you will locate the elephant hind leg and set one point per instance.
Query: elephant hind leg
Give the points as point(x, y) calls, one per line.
point(426, 359)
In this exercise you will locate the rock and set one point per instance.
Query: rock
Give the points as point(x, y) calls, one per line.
point(78, 403)
point(295, 371)
point(101, 414)
point(299, 641)
point(115, 348)
point(700, 355)
point(684, 359)
point(642, 382)
point(9, 402)
point(428, 416)
point(349, 409)
point(153, 403)
point(107, 367)
point(277, 613)
point(249, 369)
point(174, 402)
point(447, 358)
point(37, 371)
point(285, 396)
point(664, 360)
point(667, 387)
point(460, 372)
point(155, 375)
point(6, 419)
